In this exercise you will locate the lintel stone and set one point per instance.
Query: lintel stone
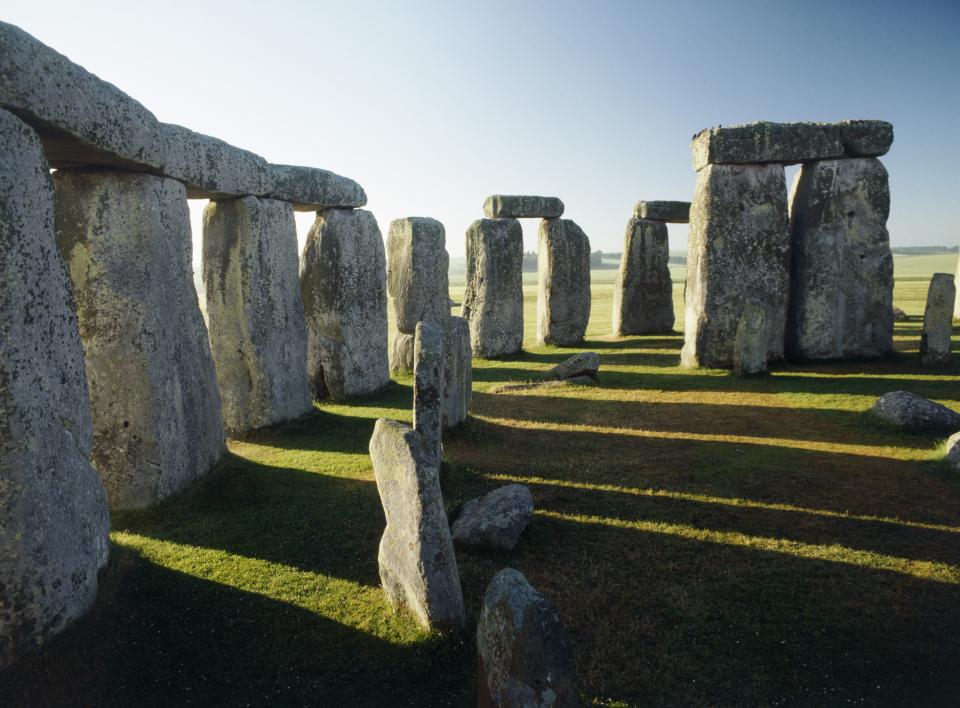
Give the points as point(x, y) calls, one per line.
point(665, 211)
point(511, 206)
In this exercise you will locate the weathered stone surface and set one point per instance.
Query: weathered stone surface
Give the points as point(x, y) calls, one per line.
point(153, 388)
point(582, 364)
point(524, 654)
point(211, 167)
point(914, 414)
point(666, 211)
point(313, 189)
point(864, 138)
point(513, 206)
point(401, 353)
point(428, 385)
point(563, 276)
point(493, 300)
point(643, 290)
point(343, 285)
point(841, 282)
point(417, 265)
point(418, 568)
point(258, 334)
point(53, 509)
point(739, 248)
point(750, 344)
point(953, 452)
point(495, 520)
point(457, 372)
point(938, 321)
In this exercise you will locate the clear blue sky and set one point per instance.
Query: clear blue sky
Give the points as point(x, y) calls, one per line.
point(434, 105)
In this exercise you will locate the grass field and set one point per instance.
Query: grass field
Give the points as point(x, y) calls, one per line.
point(708, 540)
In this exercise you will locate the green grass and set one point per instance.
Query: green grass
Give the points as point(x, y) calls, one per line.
point(708, 540)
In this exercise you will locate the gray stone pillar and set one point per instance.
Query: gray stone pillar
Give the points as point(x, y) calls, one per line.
point(343, 285)
point(457, 372)
point(935, 342)
point(257, 330)
point(841, 283)
point(739, 249)
point(563, 277)
point(956, 285)
point(643, 290)
point(428, 386)
point(53, 510)
point(493, 300)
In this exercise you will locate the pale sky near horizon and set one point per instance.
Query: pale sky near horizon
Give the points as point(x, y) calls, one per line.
point(432, 106)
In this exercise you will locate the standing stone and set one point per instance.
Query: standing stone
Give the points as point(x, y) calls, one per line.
point(157, 422)
point(418, 568)
point(841, 282)
point(343, 284)
point(401, 352)
point(563, 275)
point(956, 285)
point(457, 372)
point(739, 249)
point(524, 654)
point(514, 206)
point(750, 345)
point(938, 321)
point(258, 334)
point(493, 300)
point(643, 290)
point(53, 509)
point(428, 386)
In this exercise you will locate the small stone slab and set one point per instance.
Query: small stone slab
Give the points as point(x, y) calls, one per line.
point(313, 189)
point(667, 212)
point(495, 520)
point(512, 206)
point(915, 414)
point(582, 364)
point(935, 341)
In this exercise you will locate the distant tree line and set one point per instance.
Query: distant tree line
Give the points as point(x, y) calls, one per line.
point(923, 250)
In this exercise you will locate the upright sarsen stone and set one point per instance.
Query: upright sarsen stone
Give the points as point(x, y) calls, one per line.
point(563, 276)
point(53, 509)
point(457, 372)
point(156, 408)
point(344, 290)
point(258, 334)
point(428, 386)
point(643, 290)
point(841, 283)
point(739, 249)
point(935, 342)
point(956, 285)
point(493, 300)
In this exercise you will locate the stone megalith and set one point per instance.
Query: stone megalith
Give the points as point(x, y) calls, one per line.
point(54, 523)
point(841, 279)
point(516, 206)
point(344, 290)
point(750, 344)
point(493, 300)
point(643, 290)
point(666, 211)
point(956, 285)
point(457, 372)
point(418, 568)
point(428, 386)
point(938, 321)
point(494, 520)
point(914, 414)
point(524, 654)
point(563, 283)
point(417, 280)
point(157, 422)
point(258, 334)
point(739, 249)
point(401, 352)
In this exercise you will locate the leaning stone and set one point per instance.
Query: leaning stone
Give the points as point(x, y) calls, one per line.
point(750, 345)
point(841, 281)
point(668, 212)
point(506, 206)
point(54, 522)
point(401, 353)
point(495, 520)
point(417, 265)
point(157, 422)
point(418, 568)
point(563, 275)
point(582, 364)
point(899, 315)
point(935, 342)
point(493, 300)
point(457, 372)
point(643, 290)
point(524, 654)
point(343, 284)
point(913, 414)
point(313, 189)
point(953, 452)
point(739, 248)
point(428, 386)
point(258, 334)
point(762, 141)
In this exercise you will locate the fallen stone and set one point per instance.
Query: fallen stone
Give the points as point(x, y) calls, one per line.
point(495, 520)
point(899, 315)
point(643, 290)
point(739, 247)
point(563, 275)
point(841, 281)
point(914, 414)
point(428, 386)
point(457, 372)
point(418, 568)
point(665, 211)
point(952, 455)
point(505, 206)
point(956, 285)
point(344, 290)
point(258, 335)
point(401, 353)
point(582, 364)
point(935, 341)
point(157, 424)
point(54, 523)
point(493, 300)
point(417, 265)
point(750, 345)
point(313, 189)
point(524, 654)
